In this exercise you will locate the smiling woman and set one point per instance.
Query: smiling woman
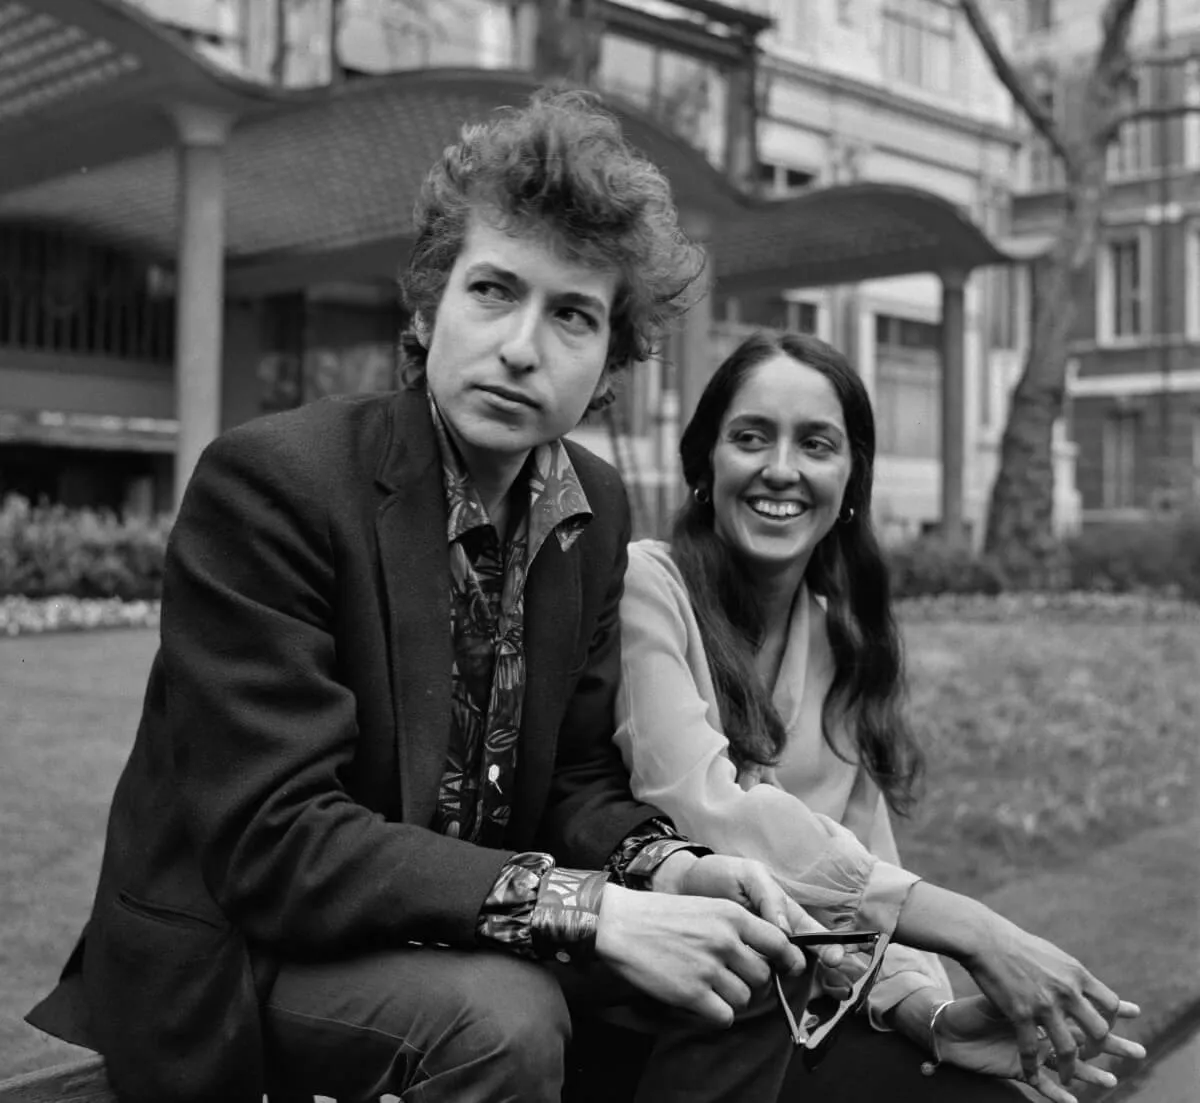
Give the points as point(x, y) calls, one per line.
point(761, 709)
point(780, 468)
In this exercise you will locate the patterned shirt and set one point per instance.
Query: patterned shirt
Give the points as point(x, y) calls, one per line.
point(535, 908)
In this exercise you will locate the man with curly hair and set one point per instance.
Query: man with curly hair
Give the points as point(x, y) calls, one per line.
point(373, 836)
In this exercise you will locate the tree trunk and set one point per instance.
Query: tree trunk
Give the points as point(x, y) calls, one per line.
point(1020, 532)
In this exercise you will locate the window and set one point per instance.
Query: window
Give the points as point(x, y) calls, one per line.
point(1005, 294)
point(1196, 456)
point(776, 312)
point(1119, 446)
point(1121, 292)
point(1039, 15)
point(918, 43)
point(1191, 121)
point(1192, 282)
point(908, 387)
point(683, 92)
point(778, 181)
point(893, 333)
point(1130, 153)
point(787, 15)
point(1046, 171)
point(61, 294)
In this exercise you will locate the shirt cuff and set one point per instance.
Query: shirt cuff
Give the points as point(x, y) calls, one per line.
point(890, 992)
point(537, 910)
point(883, 896)
point(567, 914)
point(633, 863)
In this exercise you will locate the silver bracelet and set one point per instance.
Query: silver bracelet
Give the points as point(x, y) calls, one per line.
point(928, 1068)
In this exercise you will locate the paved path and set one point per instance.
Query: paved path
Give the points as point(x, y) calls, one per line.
point(1174, 1079)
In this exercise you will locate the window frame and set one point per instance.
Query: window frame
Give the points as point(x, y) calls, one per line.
point(1107, 334)
point(1118, 488)
point(915, 24)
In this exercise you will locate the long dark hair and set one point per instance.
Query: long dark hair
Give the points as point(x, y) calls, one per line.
point(847, 569)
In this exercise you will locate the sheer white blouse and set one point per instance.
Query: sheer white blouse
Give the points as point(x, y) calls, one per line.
point(816, 819)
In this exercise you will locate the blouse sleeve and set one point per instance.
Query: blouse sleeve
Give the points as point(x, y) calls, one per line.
point(904, 970)
point(679, 762)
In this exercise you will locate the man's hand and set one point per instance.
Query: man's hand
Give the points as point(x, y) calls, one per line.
point(746, 882)
point(705, 956)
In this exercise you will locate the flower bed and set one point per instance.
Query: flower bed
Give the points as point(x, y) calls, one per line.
point(1072, 605)
point(22, 616)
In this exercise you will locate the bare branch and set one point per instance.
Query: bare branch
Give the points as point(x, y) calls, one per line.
point(1007, 74)
point(1111, 76)
point(1144, 114)
point(1114, 49)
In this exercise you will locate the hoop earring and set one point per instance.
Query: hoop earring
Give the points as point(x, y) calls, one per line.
point(701, 495)
point(847, 515)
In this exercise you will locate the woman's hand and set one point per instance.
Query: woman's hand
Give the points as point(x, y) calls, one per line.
point(837, 982)
point(1034, 984)
point(973, 1034)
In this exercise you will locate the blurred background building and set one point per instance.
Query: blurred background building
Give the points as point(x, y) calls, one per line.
point(825, 94)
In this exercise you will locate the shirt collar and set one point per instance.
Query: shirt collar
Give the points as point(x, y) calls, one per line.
point(557, 502)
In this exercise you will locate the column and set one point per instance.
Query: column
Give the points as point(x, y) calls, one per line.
point(199, 283)
point(696, 363)
point(953, 403)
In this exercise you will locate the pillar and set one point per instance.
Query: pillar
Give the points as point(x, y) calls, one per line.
point(695, 356)
point(953, 455)
point(199, 283)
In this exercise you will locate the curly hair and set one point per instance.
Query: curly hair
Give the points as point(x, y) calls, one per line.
point(559, 168)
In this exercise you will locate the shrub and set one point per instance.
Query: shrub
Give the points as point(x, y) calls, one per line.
point(1162, 554)
point(48, 550)
point(934, 566)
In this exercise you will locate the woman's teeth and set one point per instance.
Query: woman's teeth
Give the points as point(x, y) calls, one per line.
point(770, 508)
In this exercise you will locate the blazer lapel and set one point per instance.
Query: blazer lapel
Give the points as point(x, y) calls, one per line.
point(411, 529)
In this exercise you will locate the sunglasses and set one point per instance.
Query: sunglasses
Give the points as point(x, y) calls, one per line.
point(816, 1028)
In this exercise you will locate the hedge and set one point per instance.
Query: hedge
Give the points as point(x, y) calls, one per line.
point(49, 550)
point(1159, 556)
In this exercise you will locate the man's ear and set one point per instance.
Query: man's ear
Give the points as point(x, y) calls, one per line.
point(421, 329)
point(604, 394)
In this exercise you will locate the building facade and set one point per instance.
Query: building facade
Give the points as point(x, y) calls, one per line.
point(1134, 376)
point(898, 91)
point(890, 91)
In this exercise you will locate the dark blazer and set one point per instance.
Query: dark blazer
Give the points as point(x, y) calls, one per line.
point(277, 799)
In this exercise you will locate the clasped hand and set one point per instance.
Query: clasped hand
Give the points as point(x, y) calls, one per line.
point(707, 937)
point(1052, 1006)
point(974, 1034)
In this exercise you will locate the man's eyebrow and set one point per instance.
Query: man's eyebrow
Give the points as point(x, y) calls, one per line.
point(487, 268)
point(567, 298)
point(590, 302)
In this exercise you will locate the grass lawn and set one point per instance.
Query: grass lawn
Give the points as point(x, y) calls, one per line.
point(1062, 783)
point(69, 705)
point(1046, 742)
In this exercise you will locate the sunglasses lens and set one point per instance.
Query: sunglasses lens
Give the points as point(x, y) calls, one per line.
point(814, 1024)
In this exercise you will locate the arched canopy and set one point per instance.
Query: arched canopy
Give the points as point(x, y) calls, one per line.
point(320, 183)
